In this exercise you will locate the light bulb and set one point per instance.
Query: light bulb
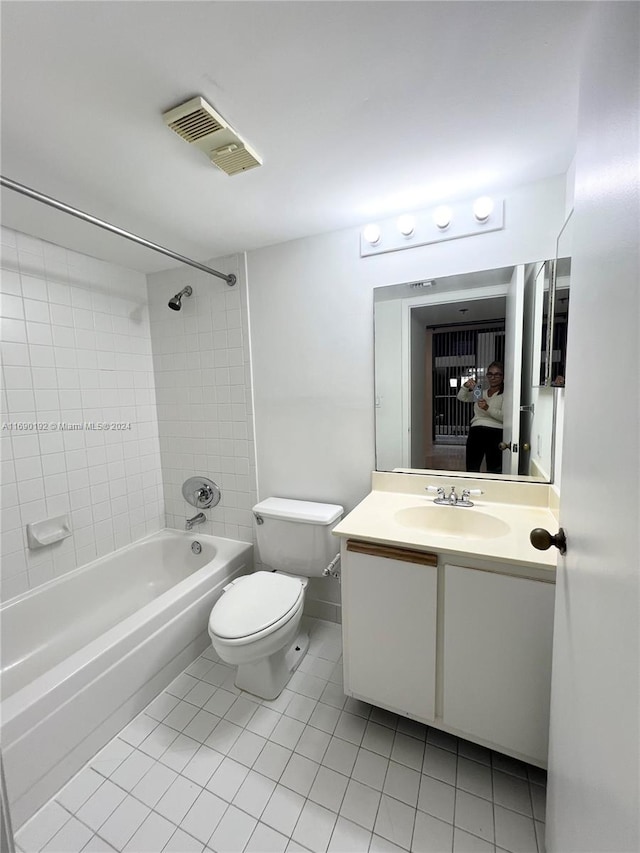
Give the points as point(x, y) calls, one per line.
point(371, 234)
point(406, 225)
point(483, 208)
point(442, 217)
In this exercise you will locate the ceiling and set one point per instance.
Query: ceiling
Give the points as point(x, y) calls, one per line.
point(359, 110)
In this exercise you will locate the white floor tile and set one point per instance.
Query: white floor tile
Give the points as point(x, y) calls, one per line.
point(474, 815)
point(70, 839)
point(314, 827)
point(138, 730)
point(431, 835)
point(378, 738)
point(333, 694)
point(313, 743)
point(360, 804)
point(325, 717)
point(132, 770)
point(151, 836)
point(247, 748)
point(180, 752)
point(266, 840)
point(403, 783)
point(515, 832)
point(201, 725)
point(408, 750)
point(412, 728)
point(217, 675)
point(300, 708)
point(328, 789)
point(395, 821)
point(180, 716)
point(227, 779)
point(223, 737)
point(272, 760)
point(154, 784)
point(97, 845)
point(383, 845)
point(287, 732)
point(124, 821)
point(383, 717)
point(158, 741)
point(203, 816)
point(437, 798)
point(357, 707)
point(264, 721)
point(540, 836)
point(241, 711)
point(440, 764)
point(509, 765)
point(181, 685)
point(79, 789)
point(178, 799)
point(464, 842)
point(200, 694)
point(101, 804)
point(306, 684)
point(181, 842)
point(370, 769)
point(114, 753)
point(340, 756)
point(203, 765)
point(299, 774)
point(254, 794)
point(466, 749)
point(233, 832)
point(512, 792)
point(199, 668)
point(283, 810)
point(281, 702)
point(351, 727)
point(442, 739)
point(539, 802)
point(474, 778)
point(220, 702)
point(348, 837)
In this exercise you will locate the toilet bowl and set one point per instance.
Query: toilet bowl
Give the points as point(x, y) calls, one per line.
point(254, 626)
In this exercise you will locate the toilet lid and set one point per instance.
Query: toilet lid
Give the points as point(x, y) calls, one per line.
point(253, 603)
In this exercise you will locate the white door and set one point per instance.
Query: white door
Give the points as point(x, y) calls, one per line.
point(594, 750)
point(513, 370)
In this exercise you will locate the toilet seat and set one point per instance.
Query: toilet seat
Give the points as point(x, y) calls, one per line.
point(254, 606)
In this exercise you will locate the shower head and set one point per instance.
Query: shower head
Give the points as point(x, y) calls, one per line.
point(176, 302)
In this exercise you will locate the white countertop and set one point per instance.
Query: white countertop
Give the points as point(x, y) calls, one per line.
point(373, 519)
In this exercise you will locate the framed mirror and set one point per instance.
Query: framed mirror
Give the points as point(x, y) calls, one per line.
point(432, 338)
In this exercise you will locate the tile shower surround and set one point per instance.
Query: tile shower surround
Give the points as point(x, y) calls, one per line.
point(207, 767)
point(76, 347)
point(203, 391)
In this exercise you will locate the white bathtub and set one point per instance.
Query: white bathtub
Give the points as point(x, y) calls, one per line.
point(83, 654)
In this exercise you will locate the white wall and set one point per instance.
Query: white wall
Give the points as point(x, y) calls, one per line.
point(203, 387)
point(76, 347)
point(594, 757)
point(311, 305)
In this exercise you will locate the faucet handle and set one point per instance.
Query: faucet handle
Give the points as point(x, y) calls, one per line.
point(467, 492)
point(438, 489)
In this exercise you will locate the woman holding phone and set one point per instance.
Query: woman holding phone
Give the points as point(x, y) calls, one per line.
point(485, 432)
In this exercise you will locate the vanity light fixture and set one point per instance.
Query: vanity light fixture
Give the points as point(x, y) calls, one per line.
point(372, 234)
point(442, 217)
point(407, 225)
point(483, 208)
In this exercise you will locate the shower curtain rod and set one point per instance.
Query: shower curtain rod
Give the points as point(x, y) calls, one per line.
point(65, 208)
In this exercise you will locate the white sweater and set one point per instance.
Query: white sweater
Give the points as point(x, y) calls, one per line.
point(492, 417)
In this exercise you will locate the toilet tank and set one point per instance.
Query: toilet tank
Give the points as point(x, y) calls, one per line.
point(295, 536)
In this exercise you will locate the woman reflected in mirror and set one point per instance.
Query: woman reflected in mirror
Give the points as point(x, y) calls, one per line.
point(485, 432)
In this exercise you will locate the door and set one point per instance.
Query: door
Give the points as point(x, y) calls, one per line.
point(513, 371)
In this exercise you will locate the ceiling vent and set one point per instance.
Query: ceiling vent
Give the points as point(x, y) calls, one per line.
point(199, 124)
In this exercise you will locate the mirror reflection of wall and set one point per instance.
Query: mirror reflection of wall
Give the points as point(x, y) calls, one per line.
point(431, 338)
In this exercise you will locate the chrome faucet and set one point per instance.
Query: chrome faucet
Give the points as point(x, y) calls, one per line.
point(197, 519)
point(452, 499)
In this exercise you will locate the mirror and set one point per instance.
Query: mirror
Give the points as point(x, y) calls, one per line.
point(432, 337)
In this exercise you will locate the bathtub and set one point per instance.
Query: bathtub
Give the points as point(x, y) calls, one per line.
point(83, 654)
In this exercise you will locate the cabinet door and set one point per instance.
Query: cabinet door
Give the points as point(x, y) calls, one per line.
point(389, 632)
point(498, 633)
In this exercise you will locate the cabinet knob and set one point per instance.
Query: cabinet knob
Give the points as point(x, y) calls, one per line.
point(542, 539)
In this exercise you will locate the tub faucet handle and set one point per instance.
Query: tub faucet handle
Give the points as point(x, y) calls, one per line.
point(197, 519)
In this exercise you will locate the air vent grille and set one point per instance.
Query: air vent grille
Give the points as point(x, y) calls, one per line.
point(195, 125)
point(198, 123)
point(234, 158)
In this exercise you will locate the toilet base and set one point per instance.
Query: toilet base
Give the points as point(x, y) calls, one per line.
point(268, 677)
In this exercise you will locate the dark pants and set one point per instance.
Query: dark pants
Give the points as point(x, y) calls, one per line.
point(483, 442)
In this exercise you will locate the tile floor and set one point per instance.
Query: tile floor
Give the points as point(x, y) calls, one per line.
point(207, 767)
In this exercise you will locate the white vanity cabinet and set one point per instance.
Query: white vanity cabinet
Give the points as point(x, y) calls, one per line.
point(496, 675)
point(389, 607)
point(465, 648)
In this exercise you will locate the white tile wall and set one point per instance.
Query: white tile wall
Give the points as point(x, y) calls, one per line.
point(203, 385)
point(76, 347)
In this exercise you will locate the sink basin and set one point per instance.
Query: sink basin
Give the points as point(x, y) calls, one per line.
point(452, 521)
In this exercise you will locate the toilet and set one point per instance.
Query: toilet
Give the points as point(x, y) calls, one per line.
point(255, 623)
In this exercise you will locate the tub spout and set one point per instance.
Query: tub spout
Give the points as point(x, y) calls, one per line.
point(197, 519)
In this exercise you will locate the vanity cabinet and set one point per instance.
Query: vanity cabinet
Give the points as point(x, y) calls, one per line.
point(389, 610)
point(496, 676)
point(464, 648)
